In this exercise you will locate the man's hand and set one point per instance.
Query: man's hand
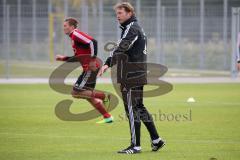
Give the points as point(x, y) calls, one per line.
point(238, 66)
point(102, 70)
point(60, 58)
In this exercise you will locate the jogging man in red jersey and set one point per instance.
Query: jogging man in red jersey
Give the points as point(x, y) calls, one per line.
point(85, 51)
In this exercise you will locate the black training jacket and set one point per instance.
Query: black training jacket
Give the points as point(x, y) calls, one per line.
point(132, 45)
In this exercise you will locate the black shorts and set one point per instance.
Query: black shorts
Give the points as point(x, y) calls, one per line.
point(86, 81)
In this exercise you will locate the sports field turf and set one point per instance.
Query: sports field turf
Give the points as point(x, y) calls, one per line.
point(207, 129)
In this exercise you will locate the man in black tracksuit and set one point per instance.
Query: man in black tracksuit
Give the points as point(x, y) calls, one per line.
point(130, 56)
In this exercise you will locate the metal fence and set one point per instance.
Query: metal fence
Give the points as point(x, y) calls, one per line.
point(179, 36)
point(235, 32)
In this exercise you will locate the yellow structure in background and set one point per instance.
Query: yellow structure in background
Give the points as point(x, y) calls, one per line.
point(51, 18)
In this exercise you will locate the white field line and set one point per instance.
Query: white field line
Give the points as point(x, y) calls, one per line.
point(108, 80)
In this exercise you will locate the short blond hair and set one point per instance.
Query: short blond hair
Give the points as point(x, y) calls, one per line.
point(127, 7)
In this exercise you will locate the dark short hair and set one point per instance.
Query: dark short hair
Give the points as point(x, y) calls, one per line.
point(71, 21)
point(126, 5)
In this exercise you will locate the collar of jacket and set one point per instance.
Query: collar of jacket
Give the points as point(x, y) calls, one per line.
point(124, 24)
point(70, 34)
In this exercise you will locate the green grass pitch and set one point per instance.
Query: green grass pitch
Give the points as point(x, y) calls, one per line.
point(30, 130)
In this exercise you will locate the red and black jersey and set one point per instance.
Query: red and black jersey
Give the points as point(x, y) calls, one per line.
point(84, 47)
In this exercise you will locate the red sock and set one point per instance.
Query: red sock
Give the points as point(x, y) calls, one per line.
point(100, 107)
point(99, 95)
